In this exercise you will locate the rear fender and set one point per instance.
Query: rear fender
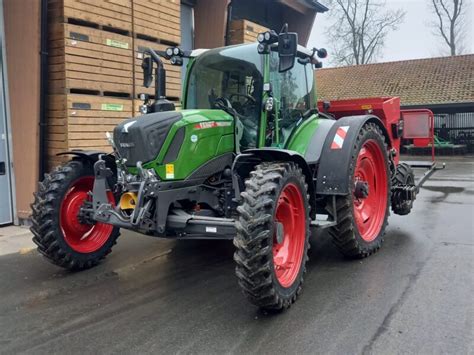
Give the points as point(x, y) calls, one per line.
point(244, 163)
point(334, 165)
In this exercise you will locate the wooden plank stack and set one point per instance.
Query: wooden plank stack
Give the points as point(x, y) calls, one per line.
point(90, 60)
point(157, 20)
point(95, 74)
point(244, 31)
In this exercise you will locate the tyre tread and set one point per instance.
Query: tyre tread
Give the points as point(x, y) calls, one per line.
point(344, 234)
point(45, 220)
point(253, 242)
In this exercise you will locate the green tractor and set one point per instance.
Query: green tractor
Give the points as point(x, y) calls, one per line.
point(250, 157)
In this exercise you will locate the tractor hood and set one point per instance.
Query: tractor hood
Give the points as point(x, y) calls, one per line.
point(140, 139)
point(149, 137)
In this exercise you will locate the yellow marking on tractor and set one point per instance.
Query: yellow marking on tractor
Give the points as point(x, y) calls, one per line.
point(128, 201)
point(170, 171)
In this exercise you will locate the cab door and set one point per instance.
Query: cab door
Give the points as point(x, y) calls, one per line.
point(293, 96)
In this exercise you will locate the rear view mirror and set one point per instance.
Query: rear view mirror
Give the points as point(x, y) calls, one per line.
point(287, 50)
point(147, 66)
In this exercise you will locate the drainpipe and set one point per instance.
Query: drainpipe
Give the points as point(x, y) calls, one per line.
point(43, 88)
point(227, 25)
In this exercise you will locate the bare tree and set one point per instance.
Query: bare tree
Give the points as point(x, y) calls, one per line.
point(359, 30)
point(450, 23)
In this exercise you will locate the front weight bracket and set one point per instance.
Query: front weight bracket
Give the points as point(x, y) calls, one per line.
point(99, 193)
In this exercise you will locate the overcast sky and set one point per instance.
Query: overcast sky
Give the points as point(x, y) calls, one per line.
point(414, 38)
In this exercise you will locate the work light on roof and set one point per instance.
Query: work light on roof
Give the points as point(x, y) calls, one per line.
point(267, 37)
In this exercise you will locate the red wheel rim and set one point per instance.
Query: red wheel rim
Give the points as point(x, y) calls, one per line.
point(288, 254)
point(369, 212)
point(83, 238)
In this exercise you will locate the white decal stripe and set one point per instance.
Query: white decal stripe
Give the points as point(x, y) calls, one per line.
point(338, 140)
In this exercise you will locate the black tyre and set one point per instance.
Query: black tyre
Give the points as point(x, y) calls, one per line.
point(404, 176)
point(272, 238)
point(61, 235)
point(362, 215)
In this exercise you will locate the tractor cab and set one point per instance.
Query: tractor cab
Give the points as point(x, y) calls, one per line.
point(229, 79)
point(267, 88)
point(237, 80)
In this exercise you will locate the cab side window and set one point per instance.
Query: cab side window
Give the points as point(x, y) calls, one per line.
point(290, 89)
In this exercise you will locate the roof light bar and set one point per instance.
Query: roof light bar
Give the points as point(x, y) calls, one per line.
point(267, 37)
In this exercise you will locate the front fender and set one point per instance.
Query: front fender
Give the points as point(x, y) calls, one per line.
point(87, 155)
point(91, 156)
point(246, 161)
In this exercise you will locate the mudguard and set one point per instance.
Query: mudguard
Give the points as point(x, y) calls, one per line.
point(334, 165)
point(244, 162)
point(91, 156)
point(88, 155)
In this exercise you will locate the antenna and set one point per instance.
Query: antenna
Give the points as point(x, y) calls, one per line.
point(284, 29)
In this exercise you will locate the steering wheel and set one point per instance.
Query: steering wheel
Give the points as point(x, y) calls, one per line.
point(222, 102)
point(248, 97)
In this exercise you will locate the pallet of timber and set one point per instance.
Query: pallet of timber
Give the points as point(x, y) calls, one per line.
point(84, 58)
point(173, 73)
point(244, 31)
point(81, 122)
point(157, 20)
point(113, 15)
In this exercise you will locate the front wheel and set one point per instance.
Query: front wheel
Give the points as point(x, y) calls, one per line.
point(272, 238)
point(362, 214)
point(62, 234)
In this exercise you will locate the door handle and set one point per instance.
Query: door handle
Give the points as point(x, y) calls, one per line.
point(3, 170)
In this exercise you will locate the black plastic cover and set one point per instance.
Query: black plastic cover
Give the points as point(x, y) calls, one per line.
point(335, 164)
point(141, 138)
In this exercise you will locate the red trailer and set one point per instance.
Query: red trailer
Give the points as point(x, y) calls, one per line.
point(417, 125)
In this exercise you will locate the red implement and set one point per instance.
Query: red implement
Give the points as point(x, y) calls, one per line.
point(417, 124)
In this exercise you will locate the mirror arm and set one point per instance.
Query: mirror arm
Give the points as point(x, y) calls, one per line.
point(160, 73)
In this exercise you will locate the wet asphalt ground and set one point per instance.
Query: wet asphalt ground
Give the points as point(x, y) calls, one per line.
point(414, 296)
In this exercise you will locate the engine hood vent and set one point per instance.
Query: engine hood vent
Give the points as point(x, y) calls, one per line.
point(141, 138)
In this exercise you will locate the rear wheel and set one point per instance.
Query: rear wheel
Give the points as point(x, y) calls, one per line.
point(272, 238)
point(362, 215)
point(404, 176)
point(62, 234)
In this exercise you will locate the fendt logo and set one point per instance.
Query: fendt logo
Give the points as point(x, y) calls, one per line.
point(212, 124)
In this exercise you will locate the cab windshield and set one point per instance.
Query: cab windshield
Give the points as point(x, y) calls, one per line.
point(233, 76)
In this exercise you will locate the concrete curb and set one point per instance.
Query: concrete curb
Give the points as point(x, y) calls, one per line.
point(15, 239)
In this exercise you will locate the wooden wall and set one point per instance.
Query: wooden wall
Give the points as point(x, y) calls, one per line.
point(302, 23)
point(244, 31)
point(210, 20)
point(22, 40)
